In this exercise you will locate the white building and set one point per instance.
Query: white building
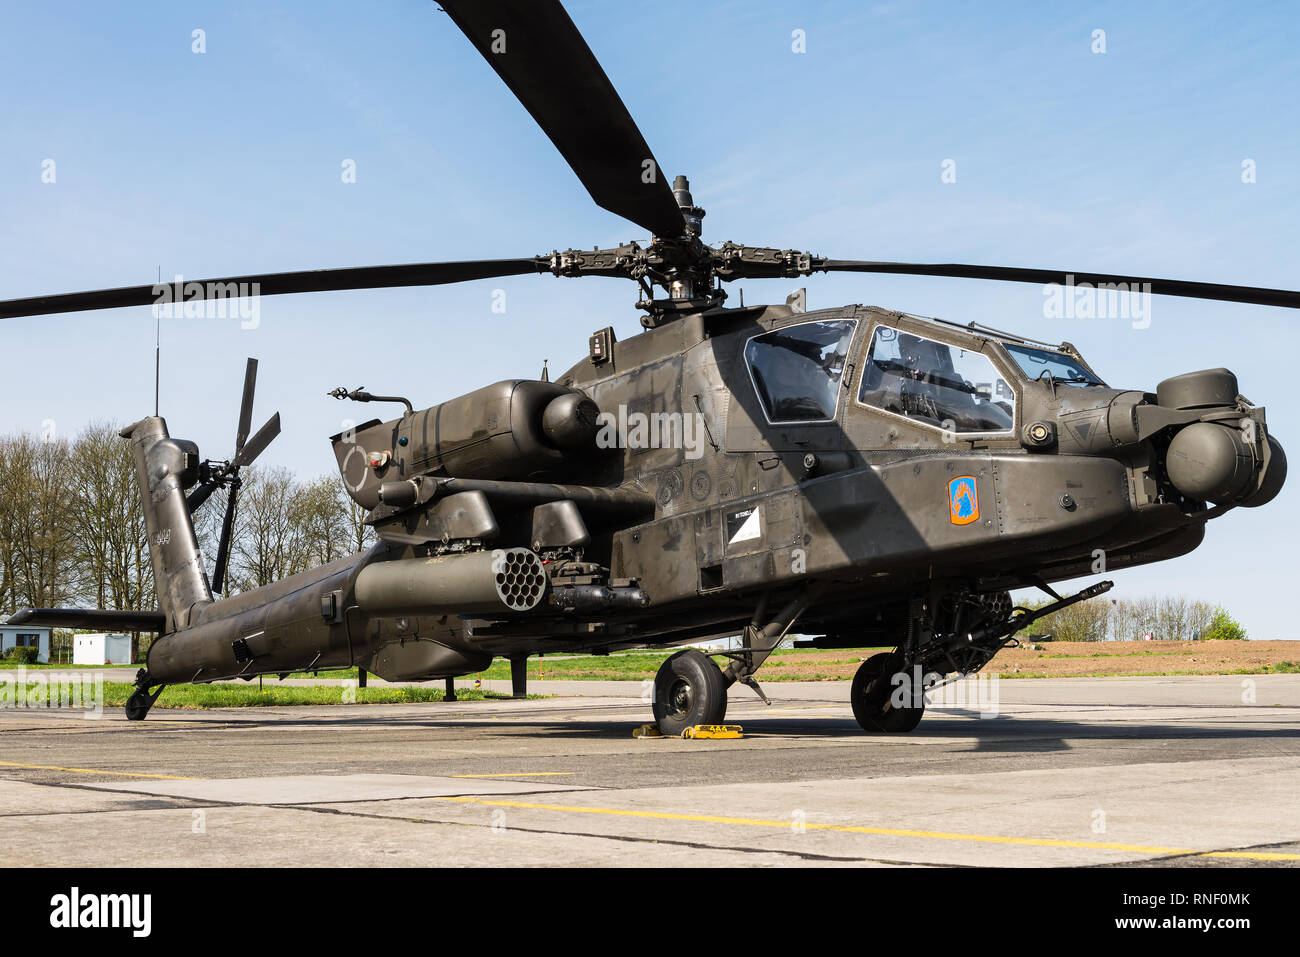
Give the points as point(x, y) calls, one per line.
point(101, 649)
point(26, 636)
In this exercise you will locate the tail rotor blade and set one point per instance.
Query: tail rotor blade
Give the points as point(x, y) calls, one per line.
point(258, 443)
point(246, 406)
point(201, 495)
point(223, 544)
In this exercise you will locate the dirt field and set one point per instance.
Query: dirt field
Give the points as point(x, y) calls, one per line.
point(1060, 659)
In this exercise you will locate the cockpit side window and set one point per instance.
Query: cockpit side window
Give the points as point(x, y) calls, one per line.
point(797, 370)
point(935, 383)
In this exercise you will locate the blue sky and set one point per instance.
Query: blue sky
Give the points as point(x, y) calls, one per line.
point(229, 161)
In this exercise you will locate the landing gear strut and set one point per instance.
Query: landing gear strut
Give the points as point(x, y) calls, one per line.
point(953, 634)
point(142, 699)
point(690, 689)
point(519, 676)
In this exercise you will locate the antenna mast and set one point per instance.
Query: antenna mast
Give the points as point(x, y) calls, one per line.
point(157, 350)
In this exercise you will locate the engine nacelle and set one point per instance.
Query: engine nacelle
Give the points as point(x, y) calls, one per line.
point(516, 430)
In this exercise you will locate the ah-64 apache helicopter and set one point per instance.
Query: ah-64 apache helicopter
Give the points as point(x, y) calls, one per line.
point(873, 477)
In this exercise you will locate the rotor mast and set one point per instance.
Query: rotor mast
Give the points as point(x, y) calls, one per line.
point(683, 266)
point(683, 283)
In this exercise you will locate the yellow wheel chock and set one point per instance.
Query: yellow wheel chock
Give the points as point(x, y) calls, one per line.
point(713, 731)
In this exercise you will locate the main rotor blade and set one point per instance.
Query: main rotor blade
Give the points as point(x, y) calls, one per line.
point(274, 284)
point(1162, 287)
point(246, 404)
point(257, 444)
point(535, 48)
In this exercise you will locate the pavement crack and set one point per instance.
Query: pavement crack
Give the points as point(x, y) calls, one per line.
point(624, 838)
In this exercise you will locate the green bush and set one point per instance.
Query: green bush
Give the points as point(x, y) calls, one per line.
point(1223, 627)
point(22, 656)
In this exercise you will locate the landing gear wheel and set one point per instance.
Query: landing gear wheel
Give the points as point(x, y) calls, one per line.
point(871, 692)
point(138, 705)
point(689, 690)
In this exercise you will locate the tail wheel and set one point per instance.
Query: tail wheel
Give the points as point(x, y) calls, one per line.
point(872, 696)
point(689, 690)
point(141, 700)
point(138, 705)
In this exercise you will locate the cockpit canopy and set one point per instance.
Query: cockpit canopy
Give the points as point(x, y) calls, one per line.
point(797, 370)
point(797, 373)
point(936, 383)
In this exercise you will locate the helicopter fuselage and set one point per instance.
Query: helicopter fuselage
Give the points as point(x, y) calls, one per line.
point(735, 456)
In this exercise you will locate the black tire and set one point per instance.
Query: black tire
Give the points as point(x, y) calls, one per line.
point(870, 696)
point(138, 705)
point(689, 690)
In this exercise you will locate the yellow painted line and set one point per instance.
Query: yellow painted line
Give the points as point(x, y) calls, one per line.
point(885, 831)
point(119, 774)
point(518, 774)
point(1250, 855)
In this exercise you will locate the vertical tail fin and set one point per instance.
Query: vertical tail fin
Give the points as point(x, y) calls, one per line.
point(165, 467)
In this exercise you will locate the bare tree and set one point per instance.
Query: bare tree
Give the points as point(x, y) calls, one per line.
point(324, 522)
point(35, 520)
point(270, 541)
point(1085, 621)
point(107, 523)
point(363, 536)
point(1171, 617)
point(9, 488)
point(1199, 616)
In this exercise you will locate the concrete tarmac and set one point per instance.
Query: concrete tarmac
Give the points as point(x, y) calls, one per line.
point(1188, 771)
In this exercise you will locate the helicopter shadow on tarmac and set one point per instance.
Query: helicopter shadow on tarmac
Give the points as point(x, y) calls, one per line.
point(965, 731)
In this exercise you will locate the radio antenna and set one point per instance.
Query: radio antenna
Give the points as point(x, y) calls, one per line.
point(157, 349)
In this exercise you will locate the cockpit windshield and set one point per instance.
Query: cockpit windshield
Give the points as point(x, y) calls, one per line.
point(1040, 363)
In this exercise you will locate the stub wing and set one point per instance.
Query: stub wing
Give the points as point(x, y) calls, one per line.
point(98, 619)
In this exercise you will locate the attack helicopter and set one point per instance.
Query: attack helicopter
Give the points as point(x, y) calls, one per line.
point(867, 476)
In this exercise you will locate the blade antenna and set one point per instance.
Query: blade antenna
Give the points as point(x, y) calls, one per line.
point(157, 350)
